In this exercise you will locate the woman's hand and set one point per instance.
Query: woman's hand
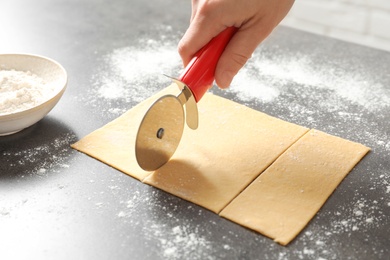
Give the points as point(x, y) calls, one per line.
point(255, 19)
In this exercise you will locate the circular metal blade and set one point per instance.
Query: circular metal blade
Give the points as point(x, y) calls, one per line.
point(159, 133)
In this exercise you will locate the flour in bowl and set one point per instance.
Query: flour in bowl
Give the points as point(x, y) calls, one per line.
point(21, 90)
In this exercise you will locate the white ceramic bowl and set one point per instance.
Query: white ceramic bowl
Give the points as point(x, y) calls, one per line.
point(47, 69)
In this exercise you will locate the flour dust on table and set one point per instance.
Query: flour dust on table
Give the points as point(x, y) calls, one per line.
point(176, 237)
point(266, 78)
point(44, 159)
point(130, 74)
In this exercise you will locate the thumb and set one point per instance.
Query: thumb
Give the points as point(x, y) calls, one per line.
point(238, 51)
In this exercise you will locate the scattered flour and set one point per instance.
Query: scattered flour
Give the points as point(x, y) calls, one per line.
point(133, 74)
point(175, 237)
point(180, 242)
point(136, 71)
point(265, 79)
point(21, 90)
point(45, 159)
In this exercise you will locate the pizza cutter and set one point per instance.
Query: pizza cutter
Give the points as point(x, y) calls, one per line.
point(162, 127)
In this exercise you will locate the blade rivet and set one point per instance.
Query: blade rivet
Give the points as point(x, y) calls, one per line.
point(160, 133)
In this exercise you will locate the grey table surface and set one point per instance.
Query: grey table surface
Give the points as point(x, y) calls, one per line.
point(57, 203)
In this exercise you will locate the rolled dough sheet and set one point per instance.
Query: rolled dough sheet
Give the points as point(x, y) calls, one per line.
point(231, 148)
point(285, 197)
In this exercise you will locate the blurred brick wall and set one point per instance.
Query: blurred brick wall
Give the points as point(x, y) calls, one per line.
point(365, 22)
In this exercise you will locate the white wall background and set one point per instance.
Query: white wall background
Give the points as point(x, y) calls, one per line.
point(365, 22)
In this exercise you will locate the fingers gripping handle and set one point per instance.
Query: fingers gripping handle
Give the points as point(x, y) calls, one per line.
point(199, 73)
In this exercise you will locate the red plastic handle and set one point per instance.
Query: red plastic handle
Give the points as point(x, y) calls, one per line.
point(199, 73)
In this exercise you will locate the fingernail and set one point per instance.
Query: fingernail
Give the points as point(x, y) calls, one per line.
point(226, 79)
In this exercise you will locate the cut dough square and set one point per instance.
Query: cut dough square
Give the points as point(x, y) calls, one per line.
point(231, 147)
point(284, 198)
